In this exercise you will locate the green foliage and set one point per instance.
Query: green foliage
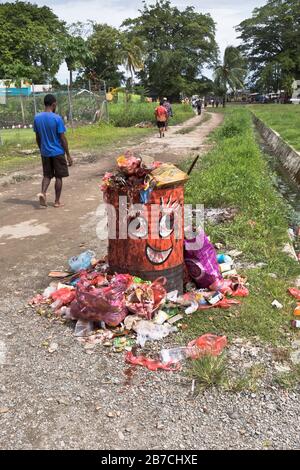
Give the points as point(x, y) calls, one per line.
point(31, 40)
point(230, 75)
point(208, 371)
point(110, 48)
point(129, 114)
point(289, 380)
point(271, 41)
point(178, 44)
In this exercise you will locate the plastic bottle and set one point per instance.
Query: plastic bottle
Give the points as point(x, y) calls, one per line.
point(176, 354)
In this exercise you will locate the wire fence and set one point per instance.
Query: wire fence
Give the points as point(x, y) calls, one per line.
point(18, 106)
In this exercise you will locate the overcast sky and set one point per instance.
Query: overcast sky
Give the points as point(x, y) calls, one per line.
point(226, 13)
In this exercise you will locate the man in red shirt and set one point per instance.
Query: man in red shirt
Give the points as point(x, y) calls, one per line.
point(161, 115)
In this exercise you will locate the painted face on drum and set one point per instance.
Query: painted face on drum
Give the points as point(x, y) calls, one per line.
point(166, 229)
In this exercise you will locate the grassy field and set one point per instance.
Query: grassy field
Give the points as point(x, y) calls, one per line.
point(235, 174)
point(89, 137)
point(285, 119)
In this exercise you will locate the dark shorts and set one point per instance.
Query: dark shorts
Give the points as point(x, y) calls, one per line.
point(161, 124)
point(55, 167)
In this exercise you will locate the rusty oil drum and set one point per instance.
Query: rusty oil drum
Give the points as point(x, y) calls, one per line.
point(150, 258)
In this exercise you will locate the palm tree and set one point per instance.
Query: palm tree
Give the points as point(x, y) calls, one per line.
point(131, 55)
point(230, 74)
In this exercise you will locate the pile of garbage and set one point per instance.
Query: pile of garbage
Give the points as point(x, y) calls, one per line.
point(124, 311)
point(140, 176)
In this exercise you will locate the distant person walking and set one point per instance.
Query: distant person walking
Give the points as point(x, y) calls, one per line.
point(50, 137)
point(161, 115)
point(199, 107)
point(169, 109)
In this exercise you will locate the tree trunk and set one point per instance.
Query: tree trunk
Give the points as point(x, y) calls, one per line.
point(224, 101)
point(71, 79)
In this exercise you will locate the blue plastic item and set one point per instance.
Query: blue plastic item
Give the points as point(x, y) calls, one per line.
point(224, 259)
point(82, 261)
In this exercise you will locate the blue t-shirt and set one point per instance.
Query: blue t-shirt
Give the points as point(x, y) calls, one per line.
point(49, 126)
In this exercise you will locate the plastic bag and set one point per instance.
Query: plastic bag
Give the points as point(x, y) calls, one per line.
point(62, 297)
point(83, 328)
point(207, 345)
point(151, 364)
point(82, 261)
point(105, 304)
point(294, 292)
point(129, 163)
point(201, 261)
point(148, 331)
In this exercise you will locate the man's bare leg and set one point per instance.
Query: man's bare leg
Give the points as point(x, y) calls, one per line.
point(42, 196)
point(58, 188)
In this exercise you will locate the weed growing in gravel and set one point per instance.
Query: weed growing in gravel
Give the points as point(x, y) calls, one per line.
point(209, 371)
point(289, 380)
point(248, 381)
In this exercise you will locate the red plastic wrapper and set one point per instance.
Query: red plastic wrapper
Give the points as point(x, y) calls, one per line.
point(294, 292)
point(207, 345)
point(151, 364)
point(144, 299)
point(64, 295)
point(224, 303)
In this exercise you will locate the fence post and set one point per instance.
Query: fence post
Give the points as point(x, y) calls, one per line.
point(106, 103)
point(34, 101)
point(70, 106)
point(22, 107)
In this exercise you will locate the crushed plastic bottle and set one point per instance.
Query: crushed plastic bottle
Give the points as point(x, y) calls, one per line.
point(149, 331)
point(82, 261)
point(176, 354)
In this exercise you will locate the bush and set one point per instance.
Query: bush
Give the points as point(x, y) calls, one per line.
point(127, 115)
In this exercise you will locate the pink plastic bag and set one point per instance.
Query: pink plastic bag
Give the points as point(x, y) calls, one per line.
point(104, 304)
point(201, 261)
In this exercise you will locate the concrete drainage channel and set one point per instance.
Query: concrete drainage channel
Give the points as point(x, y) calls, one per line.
point(288, 156)
point(284, 160)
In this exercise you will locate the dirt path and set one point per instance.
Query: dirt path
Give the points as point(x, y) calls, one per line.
point(74, 399)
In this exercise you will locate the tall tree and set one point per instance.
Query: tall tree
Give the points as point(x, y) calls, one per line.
point(31, 39)
point(231, 73)
point(271, 41)
point(105, 44)
point(76, 53)
point(178, 44)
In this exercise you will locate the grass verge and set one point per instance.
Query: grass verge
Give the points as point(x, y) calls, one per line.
point(285, 119)
point(87, 138)
point(235, 174)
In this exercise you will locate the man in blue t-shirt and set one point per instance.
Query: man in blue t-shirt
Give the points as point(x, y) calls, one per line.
point(50, 137)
